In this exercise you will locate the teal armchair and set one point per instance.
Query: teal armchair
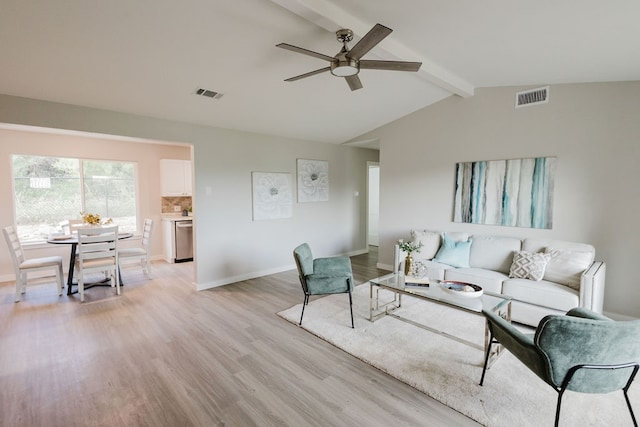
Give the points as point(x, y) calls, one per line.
point(582, 351)
point(323, 276)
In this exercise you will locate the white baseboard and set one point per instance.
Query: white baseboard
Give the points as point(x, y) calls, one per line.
point(382, 266)
point(254, 274)
point(242, 277)
point(354, 253)
point(616, 316)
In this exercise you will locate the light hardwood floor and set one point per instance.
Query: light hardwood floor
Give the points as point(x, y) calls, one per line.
point(162, 354)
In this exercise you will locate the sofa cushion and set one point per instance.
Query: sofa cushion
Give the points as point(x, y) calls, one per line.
point(539, 245)
point(431, 269)
point(490, 281)
point(542, 293)
point(455, 254)
point(493, 252)
point(430, 243)
point(528, 265)
point(566, 267)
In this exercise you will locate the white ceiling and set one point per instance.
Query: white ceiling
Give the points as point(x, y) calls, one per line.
point(147, 57)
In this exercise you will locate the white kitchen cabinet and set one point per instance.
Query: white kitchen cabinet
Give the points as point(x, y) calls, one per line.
point(175, 178)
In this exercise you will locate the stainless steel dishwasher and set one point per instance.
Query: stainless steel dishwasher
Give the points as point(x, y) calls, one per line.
point(184, 241)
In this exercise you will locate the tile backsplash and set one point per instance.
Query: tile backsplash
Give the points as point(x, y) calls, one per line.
point(169, 202)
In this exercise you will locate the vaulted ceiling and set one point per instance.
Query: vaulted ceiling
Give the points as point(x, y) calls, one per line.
point(148, 57)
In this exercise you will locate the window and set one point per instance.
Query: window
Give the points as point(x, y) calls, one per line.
point(52, 190)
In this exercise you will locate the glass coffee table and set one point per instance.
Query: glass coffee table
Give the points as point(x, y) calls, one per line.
point(434, 292)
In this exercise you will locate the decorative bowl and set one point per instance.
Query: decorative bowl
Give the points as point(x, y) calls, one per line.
point(462, 289)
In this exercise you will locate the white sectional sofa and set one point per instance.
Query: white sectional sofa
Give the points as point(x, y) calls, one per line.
point(548, 276)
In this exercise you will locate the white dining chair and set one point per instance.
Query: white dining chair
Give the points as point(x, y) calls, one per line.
point(97, 252)
point(24, 266)
point(73, 224)
point(140, 253)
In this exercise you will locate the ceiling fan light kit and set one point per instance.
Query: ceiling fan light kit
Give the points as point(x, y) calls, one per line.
point(345, 68)
point(347, 63)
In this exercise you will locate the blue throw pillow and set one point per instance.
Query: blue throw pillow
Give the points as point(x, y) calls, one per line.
point(455, 254)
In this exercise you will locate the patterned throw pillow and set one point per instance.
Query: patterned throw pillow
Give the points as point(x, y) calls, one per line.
point(527, 265)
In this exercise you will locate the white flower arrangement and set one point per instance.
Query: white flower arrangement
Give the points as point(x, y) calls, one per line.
point(409, 247)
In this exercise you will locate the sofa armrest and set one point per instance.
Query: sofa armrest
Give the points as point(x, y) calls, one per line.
point(592, 287)
point(398, 259)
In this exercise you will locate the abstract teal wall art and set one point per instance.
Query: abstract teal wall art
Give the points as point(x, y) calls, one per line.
point(516, 193)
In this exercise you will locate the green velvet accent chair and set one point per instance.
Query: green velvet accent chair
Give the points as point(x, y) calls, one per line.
point(323, 276)
point(583, 352)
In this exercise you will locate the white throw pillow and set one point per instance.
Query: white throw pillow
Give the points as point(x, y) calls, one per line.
point(566, 267)
point(528, 265)
point(430, 243)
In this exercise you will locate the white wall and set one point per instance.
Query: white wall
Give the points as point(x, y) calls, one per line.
point(235, 247)
point(229, 245)
point(593, 130)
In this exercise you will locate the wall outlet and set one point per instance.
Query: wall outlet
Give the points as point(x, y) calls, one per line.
point(176, 208)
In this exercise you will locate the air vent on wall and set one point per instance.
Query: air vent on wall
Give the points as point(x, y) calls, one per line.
point(532, 97)
point(208, 93)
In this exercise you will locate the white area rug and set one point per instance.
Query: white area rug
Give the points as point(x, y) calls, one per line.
point(450, 371)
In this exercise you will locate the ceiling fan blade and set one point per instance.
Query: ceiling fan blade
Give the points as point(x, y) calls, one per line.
point(389, 65)
point(354, 82)
point(372, 38)
point(309, 74)
point(305, 51)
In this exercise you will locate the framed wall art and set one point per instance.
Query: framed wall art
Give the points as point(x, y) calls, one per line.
point(272, 195)
point(516, 192)
point(313, 180)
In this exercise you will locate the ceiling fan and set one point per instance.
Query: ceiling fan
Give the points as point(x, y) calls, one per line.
point(347, 63)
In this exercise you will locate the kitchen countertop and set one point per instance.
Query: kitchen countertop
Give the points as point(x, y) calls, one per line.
point(175, 217)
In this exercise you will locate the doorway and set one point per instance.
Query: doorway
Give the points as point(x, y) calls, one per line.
point(373, 203)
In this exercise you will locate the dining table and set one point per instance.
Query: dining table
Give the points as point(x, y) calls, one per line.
point(72, 240)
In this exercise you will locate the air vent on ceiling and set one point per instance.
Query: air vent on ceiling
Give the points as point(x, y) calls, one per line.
point(208, 93)
point(532, 97)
